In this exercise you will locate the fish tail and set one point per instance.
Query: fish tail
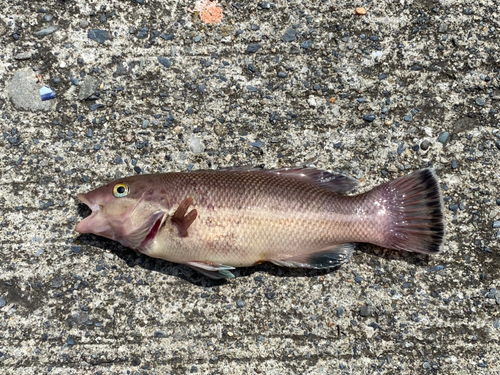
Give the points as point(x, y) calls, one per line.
point(414, 213)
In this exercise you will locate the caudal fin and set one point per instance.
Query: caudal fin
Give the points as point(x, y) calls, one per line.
point(415, 213)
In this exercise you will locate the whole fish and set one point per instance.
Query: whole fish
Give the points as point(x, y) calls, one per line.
point(215, 221)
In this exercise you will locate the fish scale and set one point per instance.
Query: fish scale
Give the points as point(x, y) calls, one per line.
point(217, 220)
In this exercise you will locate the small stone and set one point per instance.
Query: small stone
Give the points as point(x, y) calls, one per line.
point(426, 365)
point(164, 61)
point(454, 164)
point(254, 47)
point(3, 302)
point(306, 44)
point(497, 144)
point(496, 224)
point(99, 36)
point(312, 101)
point(401, 148)
point(382, 76)
point(196, 145)
point(424, 145)
point(408, 118)
point(498, 202)
point(443, 137)
point(340, 312)
point(257, 144)
point(365, 311)
point(48, 17)
point(87, 88)
point(480, 101)
point(360, 11)
point(145, 124)
point(289, 35)
point(70, 341)
point(84, 23)
point(75, 81)
point(23, 56)
point(24, 92)
point(443, 27)
point(167, 37)
point(369, 117)
point(282, 74)
point(47, 31)
point(240, 303)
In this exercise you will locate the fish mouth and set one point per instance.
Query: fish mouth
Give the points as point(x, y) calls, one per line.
point(94, 223)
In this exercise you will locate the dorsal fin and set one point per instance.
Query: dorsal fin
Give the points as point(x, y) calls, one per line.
point(332, 182)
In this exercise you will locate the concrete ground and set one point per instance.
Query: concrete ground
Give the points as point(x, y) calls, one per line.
point(147, 86)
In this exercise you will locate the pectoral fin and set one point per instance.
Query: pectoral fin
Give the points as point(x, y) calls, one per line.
point(182, 220)
point(329, 258)
point(212, 271)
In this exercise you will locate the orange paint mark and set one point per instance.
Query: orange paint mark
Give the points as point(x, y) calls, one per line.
point(210, 12)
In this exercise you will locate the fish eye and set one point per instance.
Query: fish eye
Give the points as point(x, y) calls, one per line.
point(120, 190)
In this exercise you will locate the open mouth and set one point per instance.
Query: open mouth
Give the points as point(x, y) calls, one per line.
point(152, 233)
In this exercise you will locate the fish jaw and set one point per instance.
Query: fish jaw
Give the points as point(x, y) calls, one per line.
point(97, 222)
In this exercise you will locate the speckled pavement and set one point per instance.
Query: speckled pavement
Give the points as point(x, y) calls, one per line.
point(145, 86)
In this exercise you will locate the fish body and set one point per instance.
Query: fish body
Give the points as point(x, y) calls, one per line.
point(214, 221)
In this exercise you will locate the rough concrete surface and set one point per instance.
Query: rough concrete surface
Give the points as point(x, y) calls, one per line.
point(145, 86)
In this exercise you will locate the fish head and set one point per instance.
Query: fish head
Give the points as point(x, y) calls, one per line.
point(126, 210)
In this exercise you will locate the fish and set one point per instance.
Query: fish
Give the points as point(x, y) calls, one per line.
point(217, 220)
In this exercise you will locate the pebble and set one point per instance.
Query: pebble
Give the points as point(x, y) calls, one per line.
point(254, 47)
point(196, 145)
point(282, 74)
point(443, 137)
point(84, 23)
point(369, 117)
point(496, 224)
point(360, 11)
point(87, 88)
point(3, 302)
point(382, 76)
point(23, 56)
point(240, 303)
point(257, 144)
point(70, 341)
point(424, 145)
point(498, 201)
point(408, 118)
point(340, 312)
point(47, 31)
point(99, 36)
point(48, 18)
point(454, 163)
point(164, 61)
point(480, 101)
point(365, 311)
point(24, 92)
point(289, 35)
point(306, 44)
point(401, 148)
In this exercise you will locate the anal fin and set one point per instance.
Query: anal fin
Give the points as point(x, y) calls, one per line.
point(328, 258)
point(212, 271)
